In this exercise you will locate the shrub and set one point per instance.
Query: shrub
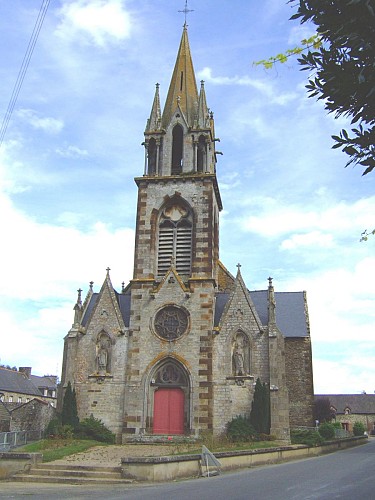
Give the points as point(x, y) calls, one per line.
point(53, 428)
point(327, 430)
point(307, 437)
point(69, 415)
point(240, 429)
point(260, 416)
point(358, 429)
point(93, 428)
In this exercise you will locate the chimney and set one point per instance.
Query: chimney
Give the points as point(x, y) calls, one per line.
point(26, 370)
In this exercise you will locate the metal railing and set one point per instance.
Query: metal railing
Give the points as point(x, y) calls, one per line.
point(9, 440)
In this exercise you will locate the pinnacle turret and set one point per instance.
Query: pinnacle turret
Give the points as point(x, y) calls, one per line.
point(154, 122)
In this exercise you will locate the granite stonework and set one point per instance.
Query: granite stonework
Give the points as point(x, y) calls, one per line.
point(179, 350)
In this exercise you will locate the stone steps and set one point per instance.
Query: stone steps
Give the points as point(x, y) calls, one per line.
point(72, 474)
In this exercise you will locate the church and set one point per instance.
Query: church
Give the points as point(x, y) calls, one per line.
point(179, 349)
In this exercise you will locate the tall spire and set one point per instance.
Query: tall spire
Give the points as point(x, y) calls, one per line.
point(183, 88)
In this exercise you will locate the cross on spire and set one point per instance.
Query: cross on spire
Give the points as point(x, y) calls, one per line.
point(186, 11)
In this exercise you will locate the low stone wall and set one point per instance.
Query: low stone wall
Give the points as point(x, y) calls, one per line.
point(184, 466)
point(11, 463)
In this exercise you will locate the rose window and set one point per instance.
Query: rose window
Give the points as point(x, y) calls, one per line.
point(171, 322)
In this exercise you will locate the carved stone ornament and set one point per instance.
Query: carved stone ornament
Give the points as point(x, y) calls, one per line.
point(171, 322)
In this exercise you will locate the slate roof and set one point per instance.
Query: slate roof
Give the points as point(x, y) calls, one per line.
point(123, 300)
point(12, 381)
point(290, 310)
point(45, 382)
point(358, 403)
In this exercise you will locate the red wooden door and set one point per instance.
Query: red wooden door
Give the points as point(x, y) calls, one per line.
point(169, 411)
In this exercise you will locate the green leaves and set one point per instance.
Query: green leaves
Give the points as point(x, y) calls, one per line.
point(344, 70)
point(307, 43)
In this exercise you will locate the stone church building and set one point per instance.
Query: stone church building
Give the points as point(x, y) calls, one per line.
point(178, 350)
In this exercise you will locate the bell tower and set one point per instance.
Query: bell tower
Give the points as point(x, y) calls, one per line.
point(178, 195)
point(176, 259)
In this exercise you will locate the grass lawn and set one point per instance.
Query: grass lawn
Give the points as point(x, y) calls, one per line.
point(53, 449)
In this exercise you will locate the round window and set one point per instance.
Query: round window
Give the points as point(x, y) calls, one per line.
point(171, 322)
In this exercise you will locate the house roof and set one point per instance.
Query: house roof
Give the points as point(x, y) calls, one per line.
point(45, 382)
point(357, 403)
point(12, 381)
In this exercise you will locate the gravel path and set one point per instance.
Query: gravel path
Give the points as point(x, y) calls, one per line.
point(110, 456)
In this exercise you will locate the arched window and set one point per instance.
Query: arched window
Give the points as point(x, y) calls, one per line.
point(177, 149)
point(175, 239)
point(151, 153)
point(201, 154)
point(170, 373)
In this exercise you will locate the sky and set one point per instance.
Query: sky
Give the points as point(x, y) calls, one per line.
point(73, 147)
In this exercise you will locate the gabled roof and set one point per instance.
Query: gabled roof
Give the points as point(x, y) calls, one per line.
point(290, 310)
point(45, 382)
point(123, 300)
point(357, 403)
point(12, 381)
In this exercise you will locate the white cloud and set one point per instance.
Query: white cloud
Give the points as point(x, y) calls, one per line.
point(72, 152)
point(265, 88)
point(275, 218)
point(42, 267)
point(299, 33)
point(47, 124)
point(352, 373)
point(308, 240)
point(100, 21)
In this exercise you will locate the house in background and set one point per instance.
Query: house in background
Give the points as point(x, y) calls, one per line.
point(351, 408)
point(21, 386)
point(33, 416)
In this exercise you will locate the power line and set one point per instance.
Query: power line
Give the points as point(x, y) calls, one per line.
point(23, 69)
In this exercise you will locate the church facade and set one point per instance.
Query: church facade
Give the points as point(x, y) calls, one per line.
point(179, 349)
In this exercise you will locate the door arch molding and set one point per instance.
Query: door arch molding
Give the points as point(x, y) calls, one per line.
point(168, 372)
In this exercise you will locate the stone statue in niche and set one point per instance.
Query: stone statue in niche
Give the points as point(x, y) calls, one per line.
point(103, 352)
point(240, 356)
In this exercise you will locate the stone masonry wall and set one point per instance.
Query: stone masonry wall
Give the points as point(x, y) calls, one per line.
point(101, 395)
point(299, 380)
point(147, 349)
point(233, 395)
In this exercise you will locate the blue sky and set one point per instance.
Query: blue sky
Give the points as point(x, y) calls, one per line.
point(73, 146)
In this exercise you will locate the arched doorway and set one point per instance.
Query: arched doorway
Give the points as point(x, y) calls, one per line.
point(170, 398)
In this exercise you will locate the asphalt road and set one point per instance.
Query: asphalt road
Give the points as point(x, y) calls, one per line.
point(347, 475)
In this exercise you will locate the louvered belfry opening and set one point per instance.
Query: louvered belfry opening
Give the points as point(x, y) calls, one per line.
point(175, 239)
